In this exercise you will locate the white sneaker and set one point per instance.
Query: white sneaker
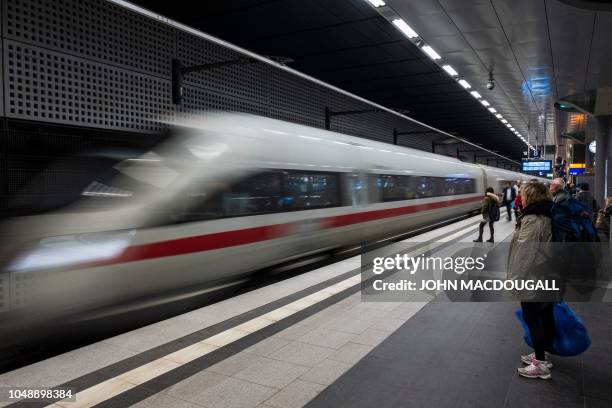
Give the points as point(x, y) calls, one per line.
point(537, 369)
point(527, 360)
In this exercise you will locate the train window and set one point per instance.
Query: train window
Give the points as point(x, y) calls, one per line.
point(259, 194)
point(307, 190)
point(264, 193)
point(397, 188)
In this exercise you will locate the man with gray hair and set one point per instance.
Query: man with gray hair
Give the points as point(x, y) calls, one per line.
point(557, 188)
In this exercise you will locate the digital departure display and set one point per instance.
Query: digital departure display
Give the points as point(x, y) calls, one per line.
point(533, 166)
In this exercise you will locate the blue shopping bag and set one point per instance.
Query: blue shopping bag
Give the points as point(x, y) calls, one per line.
point(571, 336)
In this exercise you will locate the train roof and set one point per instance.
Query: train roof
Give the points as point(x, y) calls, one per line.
point(296, 146)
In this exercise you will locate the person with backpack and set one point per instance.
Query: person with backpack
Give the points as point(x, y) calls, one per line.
point(585, 197)
point(572, 220)
point(489, 208)
point(527, 260)
point(508, 196)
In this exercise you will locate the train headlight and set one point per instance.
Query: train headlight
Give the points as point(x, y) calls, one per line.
point(66, 250)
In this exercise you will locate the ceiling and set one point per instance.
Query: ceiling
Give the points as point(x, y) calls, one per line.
point(538, 51)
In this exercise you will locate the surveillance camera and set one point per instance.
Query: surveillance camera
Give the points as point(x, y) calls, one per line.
point(490, 83)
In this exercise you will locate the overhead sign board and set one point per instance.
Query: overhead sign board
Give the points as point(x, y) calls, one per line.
point(537, 166)
point(576, 171)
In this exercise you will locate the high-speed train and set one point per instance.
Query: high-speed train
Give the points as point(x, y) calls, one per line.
point(225, 195)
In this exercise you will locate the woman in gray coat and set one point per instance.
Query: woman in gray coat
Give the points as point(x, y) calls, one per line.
point(529, 259)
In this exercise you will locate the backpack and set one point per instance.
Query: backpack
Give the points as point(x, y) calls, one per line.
point(572, 222)
point(493, 210)
point(587, 199)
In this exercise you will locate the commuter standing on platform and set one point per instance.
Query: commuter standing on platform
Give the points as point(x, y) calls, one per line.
point(557, 188)
point(603, 220)
point(509, 194)
point(489, 209)
point(527, 261)
point(585, 197)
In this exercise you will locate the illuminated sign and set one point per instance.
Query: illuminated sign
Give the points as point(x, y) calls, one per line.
point(593, 147)
point(576, 171)
point(577, 166)
point(537, 166)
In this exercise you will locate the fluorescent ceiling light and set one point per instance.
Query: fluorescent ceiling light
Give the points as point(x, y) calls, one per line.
point(431, 52)
point(476, 95)
point(504, 121)
point(450, 70)
point(377, 3)
point(511, 128)
point(405, 28)
point(498, 116)
point(465, 84)
point(492, 110)
point(485, 103)
point(508, 125)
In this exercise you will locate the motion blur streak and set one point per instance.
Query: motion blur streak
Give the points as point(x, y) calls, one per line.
point(224, 195)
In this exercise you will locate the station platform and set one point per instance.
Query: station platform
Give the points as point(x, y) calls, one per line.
point(311, 341)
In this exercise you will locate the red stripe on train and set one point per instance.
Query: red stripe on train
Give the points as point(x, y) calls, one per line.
point(348, 219)
point(245, 236)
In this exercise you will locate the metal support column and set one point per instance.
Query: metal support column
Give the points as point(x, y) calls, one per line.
point(603, 159)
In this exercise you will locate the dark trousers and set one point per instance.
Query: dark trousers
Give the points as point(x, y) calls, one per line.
point(540, 319)
point(481, 228)
point(509, 208)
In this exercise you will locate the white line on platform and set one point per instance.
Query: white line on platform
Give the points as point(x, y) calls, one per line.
point(126, 381)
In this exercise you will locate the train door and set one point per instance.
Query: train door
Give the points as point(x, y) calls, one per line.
point(355, 189)
point(485, 182)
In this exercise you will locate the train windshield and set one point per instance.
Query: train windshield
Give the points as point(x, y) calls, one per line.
point(90, 183)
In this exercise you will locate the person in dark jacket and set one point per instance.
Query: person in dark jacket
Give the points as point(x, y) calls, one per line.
point(485, 207)
point(508, 196)
point(557, 188)
point(585, 197)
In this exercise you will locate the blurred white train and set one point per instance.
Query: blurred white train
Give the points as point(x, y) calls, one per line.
point(226, 195)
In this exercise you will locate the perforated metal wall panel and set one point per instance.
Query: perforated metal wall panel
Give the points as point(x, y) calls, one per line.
point(20, 291)
point(92, 29)
point(4, 292)
point(297, 100)
point(55, 87)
